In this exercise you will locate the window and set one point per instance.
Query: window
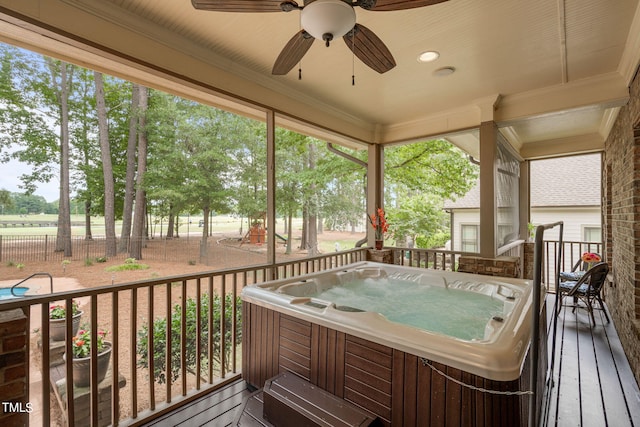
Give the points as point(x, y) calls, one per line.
point(469, 238)
point(592, 234)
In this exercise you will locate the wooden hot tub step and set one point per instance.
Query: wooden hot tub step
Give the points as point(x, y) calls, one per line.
point(290, 401)
point(250, 413)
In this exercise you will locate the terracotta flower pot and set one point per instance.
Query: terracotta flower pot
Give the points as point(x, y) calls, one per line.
point(379, 244)
point(57, 327)
point(82, 367)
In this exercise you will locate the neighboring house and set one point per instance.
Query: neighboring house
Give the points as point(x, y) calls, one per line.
point(562, 189)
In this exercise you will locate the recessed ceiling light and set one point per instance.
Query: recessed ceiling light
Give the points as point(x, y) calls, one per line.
point(444, 71)
point(428, 56)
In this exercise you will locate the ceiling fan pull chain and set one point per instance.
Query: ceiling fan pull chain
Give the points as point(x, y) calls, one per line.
point(353, 58)
point(300, 72)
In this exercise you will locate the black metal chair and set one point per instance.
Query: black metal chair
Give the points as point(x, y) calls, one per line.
point(588, 288)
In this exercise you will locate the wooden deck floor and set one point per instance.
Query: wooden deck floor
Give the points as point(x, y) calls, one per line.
point(592, 383)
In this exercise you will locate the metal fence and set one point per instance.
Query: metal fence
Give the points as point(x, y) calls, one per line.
point(23, 249)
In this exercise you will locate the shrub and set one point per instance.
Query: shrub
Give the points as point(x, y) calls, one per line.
point(129, 264)
point(160, 338)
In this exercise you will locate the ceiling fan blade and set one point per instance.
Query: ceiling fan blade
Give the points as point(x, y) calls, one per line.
point(369, 49)
point(385, 5)
point(292, 53)
point(238, 5)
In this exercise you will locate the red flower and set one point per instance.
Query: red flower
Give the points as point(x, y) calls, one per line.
point(590, 257)
point(379, 223)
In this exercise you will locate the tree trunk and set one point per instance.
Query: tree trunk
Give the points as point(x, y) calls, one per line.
point(87, 219)
point(305, 228)
point(312, 242)
point(138, 229)
point(170, 226)
point(107, 169)
point(62, 91)
point(129, 190)
point(63, 241)
point(288, 223)
point(204, 248)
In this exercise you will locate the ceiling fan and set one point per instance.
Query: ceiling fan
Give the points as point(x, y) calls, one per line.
point(324, 20)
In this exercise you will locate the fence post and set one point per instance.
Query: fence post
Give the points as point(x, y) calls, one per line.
point(46, 245)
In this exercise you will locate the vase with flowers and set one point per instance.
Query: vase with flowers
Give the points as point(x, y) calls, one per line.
point(58, 319)
point(380, 226)
point(81, 351)
point(589, 259)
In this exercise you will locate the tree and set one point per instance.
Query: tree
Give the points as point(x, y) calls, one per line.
point(137, 231)
point(62, 80)
point(418, 178)
point(129, 192)
point(290, 150)
point(5, 200)
point(107, 169)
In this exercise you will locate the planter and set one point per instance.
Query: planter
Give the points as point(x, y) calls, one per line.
point(57, 327)
point(82, 367)
point(379, 244)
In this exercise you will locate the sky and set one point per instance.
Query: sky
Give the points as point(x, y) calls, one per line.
point(10, 180)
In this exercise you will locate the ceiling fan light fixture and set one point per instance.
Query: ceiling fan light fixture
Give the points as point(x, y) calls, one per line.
point(428, 56)
point(328, 19)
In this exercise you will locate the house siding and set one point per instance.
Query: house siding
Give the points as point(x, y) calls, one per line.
point(621, 190)
point(575, 219)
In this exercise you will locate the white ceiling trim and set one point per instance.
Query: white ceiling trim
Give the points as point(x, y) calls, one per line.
point(609, 90)
point(589, 143)
point(631, 56)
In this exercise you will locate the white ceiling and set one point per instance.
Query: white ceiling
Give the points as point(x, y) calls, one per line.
point(551, 73)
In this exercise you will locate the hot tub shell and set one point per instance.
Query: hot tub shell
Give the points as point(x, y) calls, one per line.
point(404, 375)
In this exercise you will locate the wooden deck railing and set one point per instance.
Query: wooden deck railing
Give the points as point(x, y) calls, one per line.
point(199, 352)
point(204, 348)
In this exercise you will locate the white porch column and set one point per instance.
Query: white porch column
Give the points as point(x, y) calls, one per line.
point(525, 199)
point(488, 203)
point(271, 189)
point(375, 184)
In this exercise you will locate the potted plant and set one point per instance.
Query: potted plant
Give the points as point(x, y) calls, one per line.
point(589, 259)
point(380, 226)
point(81, 351)
point(58, 317)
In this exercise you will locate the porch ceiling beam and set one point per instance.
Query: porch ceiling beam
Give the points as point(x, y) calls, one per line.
point(608, 91)
point(590, 143)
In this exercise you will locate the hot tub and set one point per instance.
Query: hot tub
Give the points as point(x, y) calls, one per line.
point(396, 364)
point(15, 292)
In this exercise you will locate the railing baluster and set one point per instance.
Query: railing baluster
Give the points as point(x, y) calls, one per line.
point(46, 363)
point(115, 366)
point(198, 333)
point(210, 353)
point(223, 295)
point(69, 367)
point(168, 350)
point(132, 352)
point(183, 338)
point(234, 326)
point(150, 349)
point(94, 360)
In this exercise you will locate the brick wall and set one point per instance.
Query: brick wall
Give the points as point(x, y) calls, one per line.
point(621, 224)
point(13, 368)
point(501, 266)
